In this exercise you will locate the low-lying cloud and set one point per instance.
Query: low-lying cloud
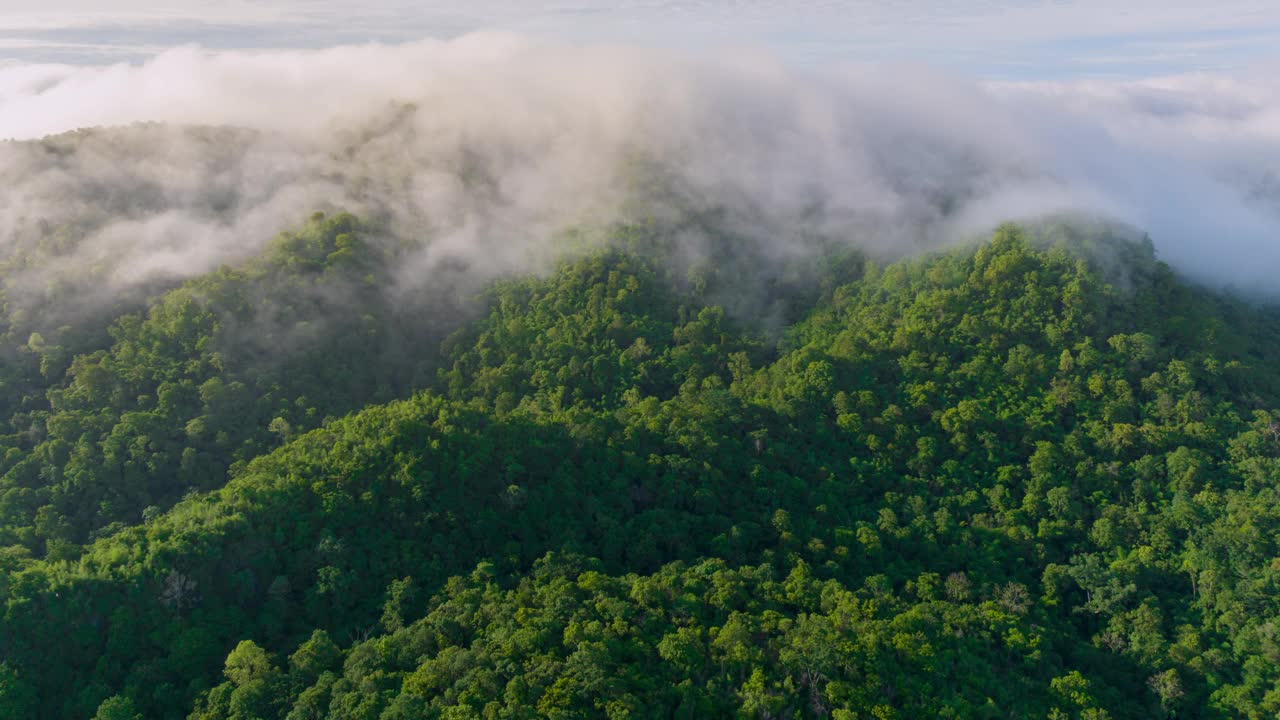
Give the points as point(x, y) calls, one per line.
point(480, 149)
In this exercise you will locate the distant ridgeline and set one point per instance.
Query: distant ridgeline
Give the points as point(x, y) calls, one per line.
point(1035, 477)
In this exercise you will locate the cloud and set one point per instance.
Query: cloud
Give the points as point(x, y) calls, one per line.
point(478, 151)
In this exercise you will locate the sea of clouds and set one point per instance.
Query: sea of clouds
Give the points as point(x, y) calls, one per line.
point(482, 148)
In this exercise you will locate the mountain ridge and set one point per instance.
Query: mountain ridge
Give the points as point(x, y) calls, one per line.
point(993, 438)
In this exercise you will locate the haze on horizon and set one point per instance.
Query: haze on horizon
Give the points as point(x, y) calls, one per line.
point(1018, 40)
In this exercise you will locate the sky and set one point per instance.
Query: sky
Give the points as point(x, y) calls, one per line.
point(988, 39)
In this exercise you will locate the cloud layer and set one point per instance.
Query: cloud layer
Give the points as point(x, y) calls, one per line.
point(478, 150)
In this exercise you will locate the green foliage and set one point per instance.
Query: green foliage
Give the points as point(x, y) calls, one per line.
point(17, 693)
point(117, 708)
point(1039, 477)
point(701, 639)
point(214, 373)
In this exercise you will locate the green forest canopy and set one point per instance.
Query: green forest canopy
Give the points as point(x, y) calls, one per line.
point(1035, 477)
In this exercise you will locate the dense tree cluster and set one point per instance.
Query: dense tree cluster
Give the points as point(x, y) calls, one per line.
point(210, 375)
point(1038, 477)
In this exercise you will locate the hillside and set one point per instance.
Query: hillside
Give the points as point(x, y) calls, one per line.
point(1034, 477)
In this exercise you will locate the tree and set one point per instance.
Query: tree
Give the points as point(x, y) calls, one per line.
point(314, 657)
point(1168, 687)
point(117, 708)
point(17, 697)
point(400, 597)
point(248, 663)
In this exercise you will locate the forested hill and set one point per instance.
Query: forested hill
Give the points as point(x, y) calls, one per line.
point(1038, 477)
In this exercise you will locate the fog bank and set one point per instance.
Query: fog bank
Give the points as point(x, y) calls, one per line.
point(480, 150)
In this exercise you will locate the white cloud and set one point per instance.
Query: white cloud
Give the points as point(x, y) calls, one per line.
point(481, 148)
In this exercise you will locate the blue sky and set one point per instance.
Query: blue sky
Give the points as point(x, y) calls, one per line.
point(996, 39)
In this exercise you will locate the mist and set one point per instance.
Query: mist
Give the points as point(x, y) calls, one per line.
point(478, 152)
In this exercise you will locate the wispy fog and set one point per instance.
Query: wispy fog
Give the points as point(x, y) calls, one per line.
point(481, 149)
